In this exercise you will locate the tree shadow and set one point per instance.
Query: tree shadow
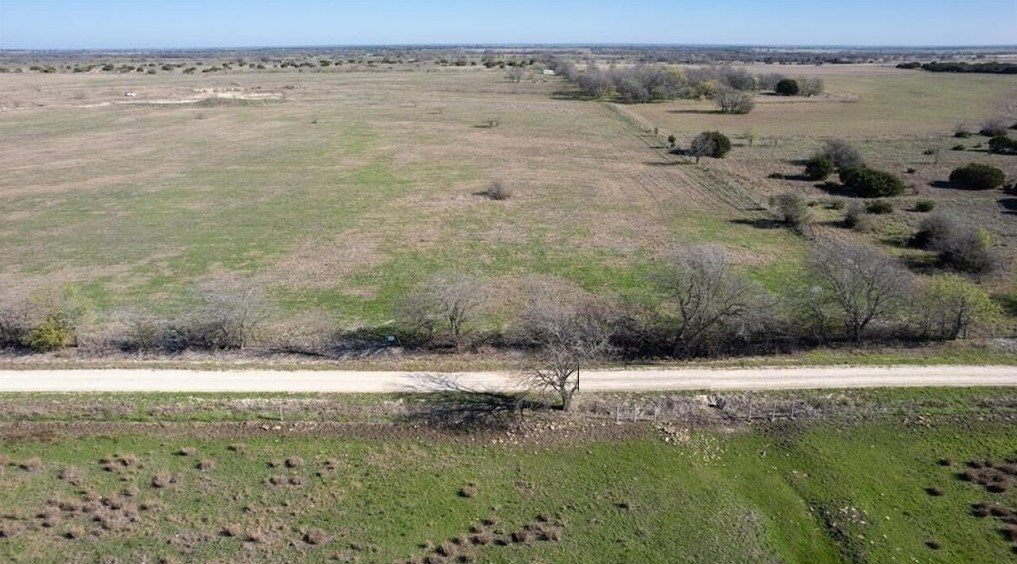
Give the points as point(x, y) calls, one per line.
point(834, 189)
point(694, 111)
point(759, 223)
point(1009, 205)
point(941, 184)
point(666, 163)
point(446, 403)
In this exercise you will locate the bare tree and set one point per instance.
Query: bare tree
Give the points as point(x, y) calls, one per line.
point(863, 284)
point(515, 74)
point(707, 294)
point(227, 320)
point(732, 101)
point(794, 211)
point(447, 302)
point(570, 328)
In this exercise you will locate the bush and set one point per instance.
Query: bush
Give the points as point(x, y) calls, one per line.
point(977, 176)
point(793, 210)
point(993, 127)
point(960, 247)
point(871, 183)
point(1003, 145)
point(958, 148)
point(499, 191)
point(819, 167)
point(52, 334)
point(925, 206)
point(711, 144)
point(879, 207)
point(844, 154)
point(787, 87)
point(731, 101)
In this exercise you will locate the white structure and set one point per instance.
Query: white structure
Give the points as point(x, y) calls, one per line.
point(130, 94)
point(548, 72)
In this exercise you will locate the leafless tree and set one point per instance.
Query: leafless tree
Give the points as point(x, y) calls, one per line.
point(707, 294)
point(515, 74)
point(732, 101)
point(570, 328)
point(446, 302)
point(861, 283)
point(16, 317)
point(227, 320)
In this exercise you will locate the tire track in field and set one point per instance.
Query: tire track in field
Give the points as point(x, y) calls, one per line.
point(706, 188)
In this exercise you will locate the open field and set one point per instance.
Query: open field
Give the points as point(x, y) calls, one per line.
point(337, 192)
point(180, 477)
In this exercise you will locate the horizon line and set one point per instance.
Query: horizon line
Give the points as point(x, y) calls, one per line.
point(512, 44)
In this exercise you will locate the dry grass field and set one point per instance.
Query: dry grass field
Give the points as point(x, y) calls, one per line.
point(339, 191)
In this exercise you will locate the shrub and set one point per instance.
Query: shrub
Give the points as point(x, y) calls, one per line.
point(819, 167)
point(879, 207)
point(958, 148)
point(793, 210)
point(933, 229)
point(967, 251)
point(731, 101)
point(871, 183)
point(993, 127)
point(949, 304)
point(469, 490)
point(711, 144)
point(499, 191)
point(977, 176)
point(844, 154)
point(961, 132)
point(1003, 145)
point(787, 87)
point(315, 536)
point(853, 217)
point(925, 206)
point(52, 334)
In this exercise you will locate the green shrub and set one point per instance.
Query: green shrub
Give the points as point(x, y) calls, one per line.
point(1003, 145)
point(787, 87)
point(977, 176)
point(819, 167)
point(925, 206)
point(52, 334)
point(871, 183)
point(879, 207)
point(711, 144)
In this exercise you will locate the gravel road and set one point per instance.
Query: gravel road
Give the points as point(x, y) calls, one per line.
point(617, 380)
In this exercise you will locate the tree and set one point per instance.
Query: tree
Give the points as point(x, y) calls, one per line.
point(706, 293)
point(819, 167)
point(950, 305)
point(515, 74)
point(710, 144)
point(810, 86)
point(446, 302)
point(731, 101)
point(977, 176)
point(570, 328)
point(862, 284)
point(868, 182)
point(787, 87)
point(959, 246)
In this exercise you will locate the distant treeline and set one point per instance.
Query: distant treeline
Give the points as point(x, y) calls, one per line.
point(990, 68)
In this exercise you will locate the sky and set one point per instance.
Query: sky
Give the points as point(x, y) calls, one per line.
point(128, 24)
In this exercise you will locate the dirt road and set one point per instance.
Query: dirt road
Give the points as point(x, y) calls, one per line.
point(648, 379)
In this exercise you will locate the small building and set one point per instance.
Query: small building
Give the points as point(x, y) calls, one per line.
point(548, 72)
point(130, 94)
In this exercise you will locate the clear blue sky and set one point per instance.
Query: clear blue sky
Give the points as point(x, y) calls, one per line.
point(96, 24)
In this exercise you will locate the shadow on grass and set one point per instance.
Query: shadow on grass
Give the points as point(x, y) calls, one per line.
point(1009, 205)
point(760, 223)
point(694, 111)
point(444, 402)
point(834, 189)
